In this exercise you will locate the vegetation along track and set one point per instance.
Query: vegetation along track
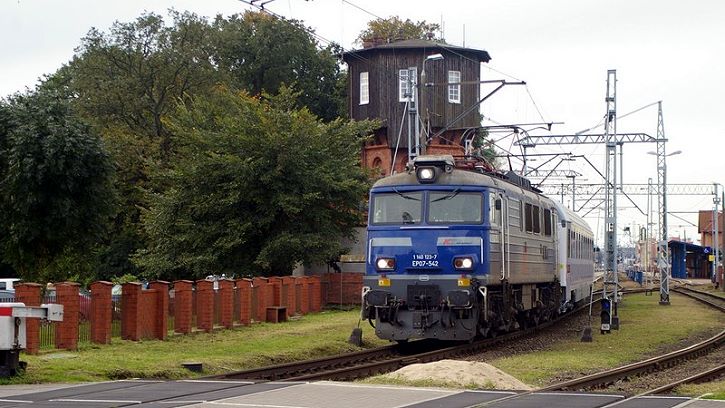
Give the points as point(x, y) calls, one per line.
point(659, 362)
point(711, 299)
point(377, 361)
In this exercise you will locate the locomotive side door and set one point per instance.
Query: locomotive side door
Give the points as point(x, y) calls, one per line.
point(505, 237)
point(499, 216)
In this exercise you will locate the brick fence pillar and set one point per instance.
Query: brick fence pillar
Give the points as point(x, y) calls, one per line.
point(260, 285)
point(226, 297)
point(244, 286)
point(304, 294)
point(161, 326)
point(66, 332)
point(291, 301)
point(183, 306)
point(101, 312)
point(275, 284)
point(205, 305)
point(29, 293)
point(316, 293)
point(130, 298)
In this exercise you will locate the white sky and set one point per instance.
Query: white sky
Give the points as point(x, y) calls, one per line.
point(668, 50)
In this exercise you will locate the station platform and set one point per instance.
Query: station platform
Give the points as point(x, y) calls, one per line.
point(323, 394)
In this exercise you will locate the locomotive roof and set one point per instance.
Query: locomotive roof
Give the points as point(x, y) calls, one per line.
point(457, 177)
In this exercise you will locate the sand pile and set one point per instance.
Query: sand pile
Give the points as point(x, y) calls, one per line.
point(463, 373)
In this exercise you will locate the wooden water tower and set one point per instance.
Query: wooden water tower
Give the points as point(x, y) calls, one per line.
point(447, 103)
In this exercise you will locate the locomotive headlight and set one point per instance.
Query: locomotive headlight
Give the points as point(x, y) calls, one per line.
point(426, 174)
point(385, 264)
point(463, 263)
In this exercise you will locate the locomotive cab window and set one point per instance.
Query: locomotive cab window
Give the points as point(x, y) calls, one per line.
point(452, 207)
point(547, 222)
point(397, 208)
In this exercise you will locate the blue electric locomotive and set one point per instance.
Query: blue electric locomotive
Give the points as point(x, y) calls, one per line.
point(453, 254)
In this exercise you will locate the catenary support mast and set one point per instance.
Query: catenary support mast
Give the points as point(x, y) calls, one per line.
point(663, 256)
point(611, 280)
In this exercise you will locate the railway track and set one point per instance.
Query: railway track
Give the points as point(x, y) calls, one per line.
point(379, 360)
point(390, 358)
point(713, 300)
point(659, 362)
point(370, 362)
point(608, 377)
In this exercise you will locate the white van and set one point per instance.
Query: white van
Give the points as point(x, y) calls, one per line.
point(7, 283)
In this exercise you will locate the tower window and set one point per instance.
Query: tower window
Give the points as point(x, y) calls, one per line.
point(364, 89)
point(403, 90)
point(454, 87)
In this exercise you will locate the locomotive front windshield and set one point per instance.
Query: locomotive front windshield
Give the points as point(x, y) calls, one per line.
point(455, 208)
point(443, 207)
point(398, 208)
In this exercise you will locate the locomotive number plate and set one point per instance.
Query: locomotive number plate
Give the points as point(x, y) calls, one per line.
point(424, 261)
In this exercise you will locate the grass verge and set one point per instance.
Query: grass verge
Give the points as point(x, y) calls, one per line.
point(709, 390)
point(646, 329)
point(314, 335)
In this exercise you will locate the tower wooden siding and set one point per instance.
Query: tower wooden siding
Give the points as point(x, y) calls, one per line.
point(383, 87)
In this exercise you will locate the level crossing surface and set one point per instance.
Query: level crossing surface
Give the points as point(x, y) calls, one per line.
point(323, 394)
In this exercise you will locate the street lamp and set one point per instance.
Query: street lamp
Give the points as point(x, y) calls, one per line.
point(421, 141)
point(668, 154)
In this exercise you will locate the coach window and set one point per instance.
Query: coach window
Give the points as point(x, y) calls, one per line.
point(537, 219)
point(515, 213)
point(547, 222)
point(529, 217)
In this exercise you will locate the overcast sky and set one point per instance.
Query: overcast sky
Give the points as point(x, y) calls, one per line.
point(662, 50)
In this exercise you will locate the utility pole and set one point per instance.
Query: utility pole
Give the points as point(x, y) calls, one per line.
point(648, 271)
point(716, 222)
point(663, 255)
point(611, 279)
point(722, 203)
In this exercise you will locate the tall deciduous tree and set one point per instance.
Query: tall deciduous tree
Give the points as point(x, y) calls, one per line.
point(393, 28)
point(55, 185)
point(262, 185)
point(126, 82)
point(263, 53)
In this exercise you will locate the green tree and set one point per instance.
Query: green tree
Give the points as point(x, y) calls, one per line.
point(55, 187)
point(262, 185)
point(393, 28)
point(126, 83)
point(263, 53)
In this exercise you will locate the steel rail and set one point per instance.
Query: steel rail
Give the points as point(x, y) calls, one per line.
point(282, 371)
point(649, 365)
point(715, 301)
point(389, 358)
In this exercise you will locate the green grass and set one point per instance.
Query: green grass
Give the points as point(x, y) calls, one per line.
point(645, 328)
point(710, 390)
point(314, 335)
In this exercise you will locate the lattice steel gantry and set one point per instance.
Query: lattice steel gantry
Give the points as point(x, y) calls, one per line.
point(663, 255)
